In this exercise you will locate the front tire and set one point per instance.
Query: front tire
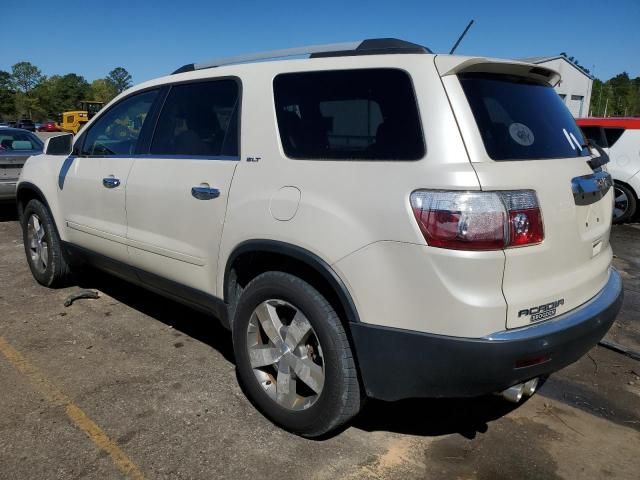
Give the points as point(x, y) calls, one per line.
point(42, 246)
point(293, 356)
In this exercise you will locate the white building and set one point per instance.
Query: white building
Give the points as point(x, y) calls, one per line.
point(576, 85)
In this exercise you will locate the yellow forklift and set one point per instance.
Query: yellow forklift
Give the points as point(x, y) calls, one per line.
point(74, 120)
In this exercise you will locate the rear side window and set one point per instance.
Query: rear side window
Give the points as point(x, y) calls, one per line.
point(613, 135)
point(199, 119)
point(521, 119)
point(368, 114)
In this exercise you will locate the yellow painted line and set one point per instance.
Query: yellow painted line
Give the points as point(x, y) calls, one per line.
point(75, 414)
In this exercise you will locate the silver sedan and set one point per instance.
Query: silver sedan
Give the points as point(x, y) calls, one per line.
point(16, 145)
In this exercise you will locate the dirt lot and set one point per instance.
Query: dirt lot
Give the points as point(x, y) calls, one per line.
point(133, 385)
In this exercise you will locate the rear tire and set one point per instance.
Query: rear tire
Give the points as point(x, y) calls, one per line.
point(43, 247)
point(624, 207)
point(300, 374)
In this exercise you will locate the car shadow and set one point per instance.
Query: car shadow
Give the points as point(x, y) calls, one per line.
point(197, 325)
point(424, 417)
point(8, 212)
point(434, 416)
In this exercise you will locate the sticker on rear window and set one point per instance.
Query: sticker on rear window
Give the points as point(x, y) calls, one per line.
point(521, 134)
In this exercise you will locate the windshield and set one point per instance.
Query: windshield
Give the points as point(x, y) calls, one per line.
point(521, 119)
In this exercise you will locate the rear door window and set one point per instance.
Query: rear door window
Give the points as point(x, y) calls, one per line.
point(368, 114)
point(199, 119)
point(521, 119)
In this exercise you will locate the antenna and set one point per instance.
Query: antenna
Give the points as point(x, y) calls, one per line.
point(461, 37)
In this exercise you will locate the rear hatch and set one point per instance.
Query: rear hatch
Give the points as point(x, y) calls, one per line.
point(520, 136)
point(10, 166)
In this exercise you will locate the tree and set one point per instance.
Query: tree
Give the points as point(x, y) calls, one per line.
point(7, 96)
point(121, 79)
point(25, 77)
point(617, 96)
point(103, 90)
point(58, 94)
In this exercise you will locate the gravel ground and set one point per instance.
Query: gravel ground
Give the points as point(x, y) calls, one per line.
point(132, 382)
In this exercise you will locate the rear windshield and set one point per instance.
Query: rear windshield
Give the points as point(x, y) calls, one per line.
point(368, 114)
point(521, 119)
point(15, 141)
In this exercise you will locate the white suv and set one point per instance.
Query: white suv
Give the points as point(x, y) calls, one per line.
point(372, 221)
point(620, 138)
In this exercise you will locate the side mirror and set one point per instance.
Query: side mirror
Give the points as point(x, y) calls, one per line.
point(59, 145)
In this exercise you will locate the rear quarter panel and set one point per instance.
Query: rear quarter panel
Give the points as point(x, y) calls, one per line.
point(352, 213)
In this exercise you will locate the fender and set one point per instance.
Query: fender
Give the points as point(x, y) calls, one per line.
point(29, 186)
point(309, 258)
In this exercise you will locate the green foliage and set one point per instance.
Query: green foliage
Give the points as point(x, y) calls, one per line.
point(618, 96)
point(7, 96)
point(103, 90)
point(57, 94)
point(25, 77)
point(26, 92)
point(121, 79)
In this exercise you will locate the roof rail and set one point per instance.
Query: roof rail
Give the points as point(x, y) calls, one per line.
point(374, 46)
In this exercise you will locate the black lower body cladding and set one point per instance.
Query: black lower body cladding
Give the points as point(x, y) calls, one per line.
point(397, 364)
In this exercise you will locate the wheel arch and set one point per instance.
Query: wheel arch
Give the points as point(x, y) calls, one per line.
point(26, 192)
point(253, 257)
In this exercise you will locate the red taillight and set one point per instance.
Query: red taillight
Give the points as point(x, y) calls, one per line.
point(525, 227)
point(478, 220)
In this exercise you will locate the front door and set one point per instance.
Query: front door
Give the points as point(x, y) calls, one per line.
point(177, 194)
point(93, 181)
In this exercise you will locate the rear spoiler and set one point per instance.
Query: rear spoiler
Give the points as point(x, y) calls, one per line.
point(453, 65)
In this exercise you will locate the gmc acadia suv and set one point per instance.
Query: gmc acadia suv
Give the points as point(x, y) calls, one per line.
point(372, 221)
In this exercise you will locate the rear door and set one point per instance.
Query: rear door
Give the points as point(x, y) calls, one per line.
point(177, 192)
point(520, 135)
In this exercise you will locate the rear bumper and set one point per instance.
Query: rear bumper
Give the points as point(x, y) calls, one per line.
point(397, 364)
point(8, 189)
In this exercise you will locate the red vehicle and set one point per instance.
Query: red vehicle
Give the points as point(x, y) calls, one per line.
point(49, 126)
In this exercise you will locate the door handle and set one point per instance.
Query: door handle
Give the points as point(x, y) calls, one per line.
point(205, 192)
point(111, 182)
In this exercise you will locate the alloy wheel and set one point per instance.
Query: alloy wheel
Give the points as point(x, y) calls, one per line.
point(38, 247)
point(621, 203)
point(285, 354)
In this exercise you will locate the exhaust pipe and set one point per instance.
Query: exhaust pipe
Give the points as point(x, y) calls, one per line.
point(514, 394)
point(530, 387)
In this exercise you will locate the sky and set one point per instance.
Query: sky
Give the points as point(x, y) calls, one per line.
point(153, 38)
